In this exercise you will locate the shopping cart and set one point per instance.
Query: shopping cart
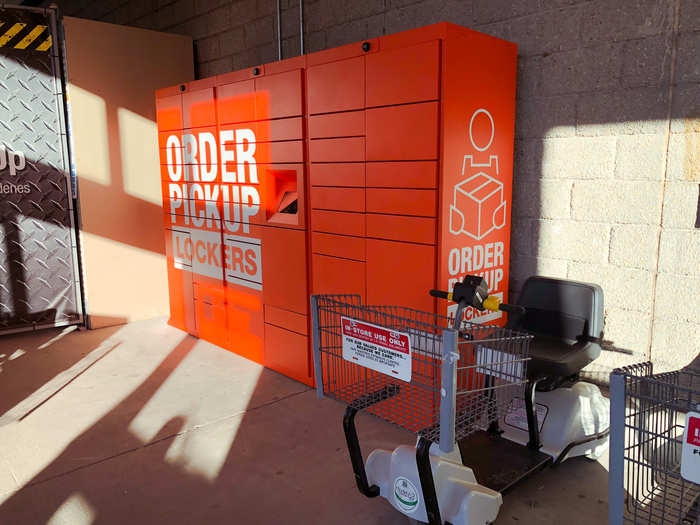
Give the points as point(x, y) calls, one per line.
point(654, 459)
point(438, 378)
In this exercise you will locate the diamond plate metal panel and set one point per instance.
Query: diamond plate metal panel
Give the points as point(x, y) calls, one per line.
point(37, 259)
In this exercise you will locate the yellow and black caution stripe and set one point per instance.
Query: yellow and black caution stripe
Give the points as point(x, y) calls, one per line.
point(23, 36)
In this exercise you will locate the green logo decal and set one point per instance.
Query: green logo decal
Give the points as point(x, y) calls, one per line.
point(406, 494)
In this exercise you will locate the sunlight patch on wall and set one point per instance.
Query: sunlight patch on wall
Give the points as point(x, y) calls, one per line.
point(89, 126)
point(138, 138)
point(108, 259)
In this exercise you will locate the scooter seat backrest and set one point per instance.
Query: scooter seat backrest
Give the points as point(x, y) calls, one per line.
point(553, 324)
point(567, 310)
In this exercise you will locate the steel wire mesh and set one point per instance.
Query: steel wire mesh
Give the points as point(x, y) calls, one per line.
point(490, 365)
point(655, 412)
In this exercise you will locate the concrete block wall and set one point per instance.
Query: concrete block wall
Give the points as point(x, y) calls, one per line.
point(607, 134)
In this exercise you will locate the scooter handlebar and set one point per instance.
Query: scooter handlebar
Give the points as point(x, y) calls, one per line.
point(511, 308)
point(490, 303)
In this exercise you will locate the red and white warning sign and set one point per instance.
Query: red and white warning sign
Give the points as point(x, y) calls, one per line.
point(690, 459)
point(377, 348)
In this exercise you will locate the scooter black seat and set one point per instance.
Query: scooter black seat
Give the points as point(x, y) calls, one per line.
point(566, 318)
point(552, 357)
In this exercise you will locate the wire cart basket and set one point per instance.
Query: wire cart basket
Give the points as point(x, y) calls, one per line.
point(456, 381)
point(648, 420)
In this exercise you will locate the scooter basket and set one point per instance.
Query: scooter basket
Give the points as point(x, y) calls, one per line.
point(648, 419)
point(451, 384)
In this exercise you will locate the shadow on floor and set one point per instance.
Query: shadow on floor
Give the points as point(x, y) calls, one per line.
point(25, 366)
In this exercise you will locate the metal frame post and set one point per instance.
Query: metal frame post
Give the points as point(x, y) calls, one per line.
point(616, 490)
point(316, 337)
point(448, 389)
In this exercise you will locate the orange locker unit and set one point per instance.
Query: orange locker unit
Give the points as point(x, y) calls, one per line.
point(382, 168)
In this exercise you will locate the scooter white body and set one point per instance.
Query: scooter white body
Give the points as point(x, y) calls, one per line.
point(566, 415)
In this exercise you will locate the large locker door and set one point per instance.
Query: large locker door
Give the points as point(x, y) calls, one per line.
point(39, 275)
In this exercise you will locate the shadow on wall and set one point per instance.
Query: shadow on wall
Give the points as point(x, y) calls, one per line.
point(114, 216)
point(114, 134)
point(606, 142)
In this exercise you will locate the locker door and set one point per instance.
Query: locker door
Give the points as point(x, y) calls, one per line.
point(180, 284)
point(336, 86)
point(415, 68)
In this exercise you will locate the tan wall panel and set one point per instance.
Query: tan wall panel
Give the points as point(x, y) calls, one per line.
point(113, 72)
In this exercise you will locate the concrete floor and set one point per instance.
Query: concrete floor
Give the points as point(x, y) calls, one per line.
point(143, 424)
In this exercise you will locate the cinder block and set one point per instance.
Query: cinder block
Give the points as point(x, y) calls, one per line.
point(543, 199)
point(207, 49)
point(267, 53)
point(685, 113)
point(497, 29)
point(197, 27)
point(528, 155)
point(121, 15)
point(571, 240)
point(634, 246)
point(599, 370)
point(290, 22)
point(215, 67)
point(684, 157)
point(675, 345)
point(628, 330)
point(521, 236)
point(546, 117)
point(546, 31)
point(623, 112)
point(640, 157)
point(146, 22)
point(581, 70)
point(204, 6)
point(681, 205)
point(346, 33)
point(259, 32)
point(689, 15)
point(219, 20)
point(605, 21)
point(314, 41)
point(167, 17)
point(578, 158)
point(680, 252)
point(427, 12)
point(184, 10)
point(343, 10)
point(139, 9)
point(624, 202)
point(677, 297)
point(391, 4)
point(376, 26)
point(522, 267)
point(291, 47)
point(232, 41)
point(528, 80)
point(487, 11)
point(688, 65)
point(624, 288)
point(647, 62)
point(243, 11)
point(265, 8)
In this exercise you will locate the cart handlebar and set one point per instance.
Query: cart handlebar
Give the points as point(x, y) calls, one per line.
point(473, 291)
point(441, 295)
